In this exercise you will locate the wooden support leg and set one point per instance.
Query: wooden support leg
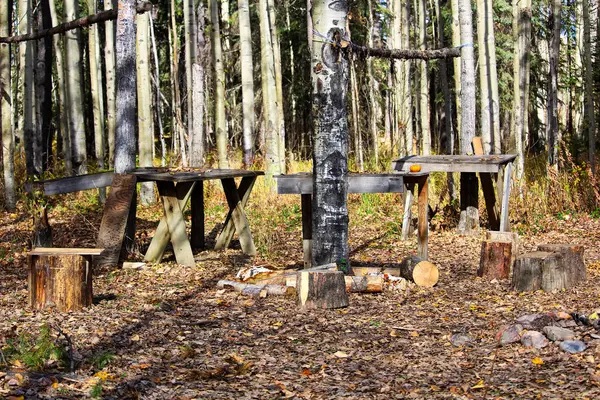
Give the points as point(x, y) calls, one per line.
point(423, 229)
point(198, 216)
point(243, 193)
point(408, 200)
point(307, 229)
point(238, 216)
point(489, 194)
point(161, 238)
point(504, 222)
point(176, 224)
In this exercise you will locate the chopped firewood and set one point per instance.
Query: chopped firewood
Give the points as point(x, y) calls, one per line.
point(419, 271)
point(355, 284)
point(249, 289)
point(321, 289)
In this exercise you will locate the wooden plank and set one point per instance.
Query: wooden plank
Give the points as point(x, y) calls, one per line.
point(504, 222)
point(176, 223)
point(226, 235)
point(161, 237)
point(238, 216)
point(307, 229)
point(190, 174)
point(477, 146)
point(72, 183)
point(407, 215)
point(359, 183)
point(454, 163)
point(489, 194)
point(423, 227)
point(114, 218)
point(57, 251)
point(197, 239)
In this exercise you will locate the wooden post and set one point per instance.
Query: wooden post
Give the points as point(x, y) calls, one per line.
point(60, 279)
point(229, 228)
point(307, 229)
point(197, 239)
point(487, 185)
point(423, 228)
point(504, 221)
point(238, 216)
point(406, 218)
point(321, 289)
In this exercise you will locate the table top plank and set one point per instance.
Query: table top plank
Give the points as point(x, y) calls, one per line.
point(189, 174)
point(58, 251)
point(302, 183)
point(455, 163)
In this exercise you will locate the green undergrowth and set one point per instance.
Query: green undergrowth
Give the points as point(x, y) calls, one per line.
point(36, 351)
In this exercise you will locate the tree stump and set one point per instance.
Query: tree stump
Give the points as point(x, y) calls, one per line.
point(321, 289)
point(573, 260)
point(495, 261)
point(469, 221)
point(505, 237)
point(541, 270)
point(60, 279)
point(419, 271)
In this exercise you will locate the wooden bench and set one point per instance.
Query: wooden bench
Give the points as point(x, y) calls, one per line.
point(60, 278)
point(302, 184)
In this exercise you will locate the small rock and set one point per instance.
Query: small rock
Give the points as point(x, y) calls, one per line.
point(509, 334)
point(573, 346)
point(460, 339)
point(556, 333)
point(13, 382)
point(534, 339)
point(535, 322)
point(594, 336)
point(566, 323)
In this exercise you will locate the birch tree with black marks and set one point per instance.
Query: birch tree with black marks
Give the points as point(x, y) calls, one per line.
point(8, 144)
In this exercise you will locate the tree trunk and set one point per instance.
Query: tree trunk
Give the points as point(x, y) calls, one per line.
point(75, 103)
point(552, 129)
point(110, 76)
point(544, 270)
point(588, 84)
point(247, 82)
point(573, 259)
point(159, 110)
point(330, 154)
point(220, 123)
point(456, 42)
point(144, 104)
point(321, 289)
point(467, 130)
point(371, 89)
point(424, 82)
point(407, 103)
point(27, 98)
point(484, 77)
point(495, 261)
point(358, 147)
point(125, 150)
point(196, 142)
point(270, 113)
point(8, 144)
point(43, 90)
point(190, 29)
point(179, 144)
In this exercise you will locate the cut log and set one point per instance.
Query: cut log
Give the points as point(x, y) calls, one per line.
point(419, 271)
point(542, 270)
point(354, 284)
point(60, 279)
point(495, 261)
point(321, 289)
point(250, 289)
point(573, 260)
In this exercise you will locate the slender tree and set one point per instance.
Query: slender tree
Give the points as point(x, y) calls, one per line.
point(110, 71)
point(456, 42)
point(43, 90)
point(27, 97)
point(424, 81)
point(372, 87)
point(330, 162)
point(144, 103)
point(217, 52)
point(190, 29)
point(588, 85)
point(278, 83)
point(75, 90)
point(552, 131)
point(196, 141)
point(467, 129)
point(97, 88)
point(8, 144)
point(247, 82)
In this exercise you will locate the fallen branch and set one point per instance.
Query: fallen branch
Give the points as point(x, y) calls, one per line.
point(78, 23)
point(250, 289)
point(407, 328)
point(408, 54)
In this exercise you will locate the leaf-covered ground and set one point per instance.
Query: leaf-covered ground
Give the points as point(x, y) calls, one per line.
point(166, 332)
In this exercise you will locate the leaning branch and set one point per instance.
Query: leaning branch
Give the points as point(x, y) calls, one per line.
point(363, 51)
point(78, 23)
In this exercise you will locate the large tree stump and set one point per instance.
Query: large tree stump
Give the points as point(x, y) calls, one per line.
point(419, 271)
point(495, 261)
point(60, 278)
point(321, 289)
point(573, 260)
point(542, 270)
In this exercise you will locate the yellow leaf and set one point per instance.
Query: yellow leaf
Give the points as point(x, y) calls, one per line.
point(537, 361)
point(103, 375)
point(479, 385)
point(414, 334)
point(135, 338)
point(278, 323)
point(593, 316)
point(394, 333)
point(306, 372)
point(55, 385)
point(341, 354)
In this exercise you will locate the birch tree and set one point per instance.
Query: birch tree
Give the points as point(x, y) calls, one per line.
point(278, 83)
point(552, 130)
point(74, 83)
point(144, 103)
point(467, 131)
point(424, 81)
point(217, 52)
point(97, 92)
point(196, 140)
point(8, 144)
point(330, 163)
point(126, 87)
point(109, 63)
point(27, 98)
point(456, 42)
point(189, 20)
point(589, 87)
point(43, 90)
point(371, 88)
point(247, 82)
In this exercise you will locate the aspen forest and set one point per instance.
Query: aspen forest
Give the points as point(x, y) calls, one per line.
point(305, 199)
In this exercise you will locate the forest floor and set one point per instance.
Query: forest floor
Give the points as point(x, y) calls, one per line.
point(166, 332)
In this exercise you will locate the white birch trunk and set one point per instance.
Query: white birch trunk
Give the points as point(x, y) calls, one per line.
point(371, 89)
point(457, 65)
point(110, 67)
point(588, 85)
point(96, 84)
point(189, 20)
point(197, 137)
point(467, 131)
point(247, 82)
point(8, 144)
point(424, 82)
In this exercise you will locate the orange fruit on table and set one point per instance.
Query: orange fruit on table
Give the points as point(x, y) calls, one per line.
point(415, 168)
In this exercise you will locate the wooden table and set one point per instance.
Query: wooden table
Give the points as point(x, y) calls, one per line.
point(302, 184)
point(484, 165)
point(176, 188)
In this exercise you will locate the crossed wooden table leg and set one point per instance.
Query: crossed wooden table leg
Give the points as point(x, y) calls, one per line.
point(172, 226)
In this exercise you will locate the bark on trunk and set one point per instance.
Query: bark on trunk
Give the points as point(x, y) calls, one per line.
point(467, 131)
point(278, 84)
point(110, 74)
point(125, 150)
point(189, 20)
point(247, 82)
point(220, 123)
point(196, 141)
point(424, 83)
point(318, 289)
point(43, 91)
point(330, 155)
point(8, 144)
point(97, 91)
point(495, 260)
point(588, 83)
point(456, 42)
point(552, 131)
